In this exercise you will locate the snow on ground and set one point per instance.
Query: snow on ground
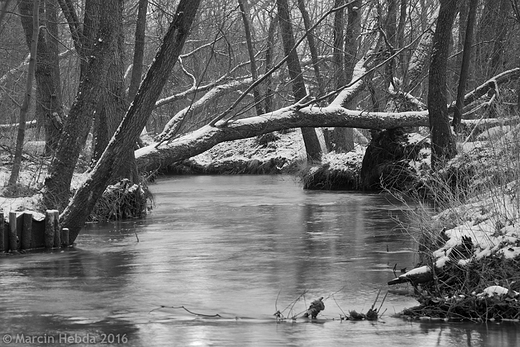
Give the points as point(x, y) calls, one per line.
point(492, 223)
point(344, 161)
point(31, 176)
point(27, 179)
point(289, 146)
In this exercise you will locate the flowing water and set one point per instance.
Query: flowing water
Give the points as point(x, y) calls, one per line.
point(240, 247)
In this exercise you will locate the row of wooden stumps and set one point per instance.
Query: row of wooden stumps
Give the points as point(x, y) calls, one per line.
point(23, 231)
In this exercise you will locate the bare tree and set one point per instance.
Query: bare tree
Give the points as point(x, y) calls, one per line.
point(341, 139)
point(443, 142)
point(139, 44)
point(465, 64)
point(312, 46)
point(25, 8)
point(244, 9)
point(491, 35)
point(312, 144)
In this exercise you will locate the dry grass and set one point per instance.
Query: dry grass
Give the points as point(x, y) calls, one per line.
point(478, 189)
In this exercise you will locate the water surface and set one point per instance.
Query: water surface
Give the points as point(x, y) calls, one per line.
point(241, 247)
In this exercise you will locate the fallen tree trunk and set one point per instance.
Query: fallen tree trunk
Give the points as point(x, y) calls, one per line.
point(155, 156)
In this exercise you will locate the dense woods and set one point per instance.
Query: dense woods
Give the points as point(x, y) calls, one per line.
point(229, 70)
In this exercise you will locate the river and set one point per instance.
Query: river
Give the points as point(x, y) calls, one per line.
point(240, 247)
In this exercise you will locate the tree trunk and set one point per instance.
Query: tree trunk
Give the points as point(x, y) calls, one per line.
point(134, 121)
point(112, 103)
point(312, 47)
point(443, 142)
point(244, 9)
point(48, 84)
point(465, 64)
point(337, 45)
point(391, 37)
point(342, 139)
point(137, 65)
point(461, 37)
point(77, 125)
point(400, 40)
point(420, 59)
point(269, 52)
point(112, 107)
point(25, 9)
point(352, 33)
point(312, 144)
point(491, 33)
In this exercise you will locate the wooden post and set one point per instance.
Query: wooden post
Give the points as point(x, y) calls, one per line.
point(14, 240)
point(49, 228)
point(65, 237)
point(57, 231)
point(4, 234)
point(27, 230)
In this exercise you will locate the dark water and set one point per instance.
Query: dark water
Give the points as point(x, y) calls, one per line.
point(241, 247)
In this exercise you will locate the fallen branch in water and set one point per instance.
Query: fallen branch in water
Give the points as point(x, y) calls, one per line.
point(191, 312)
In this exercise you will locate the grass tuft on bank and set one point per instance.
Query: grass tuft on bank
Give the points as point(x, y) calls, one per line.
point(467, 227)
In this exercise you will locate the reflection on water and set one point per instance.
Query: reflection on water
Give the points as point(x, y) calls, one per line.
point(239, 246)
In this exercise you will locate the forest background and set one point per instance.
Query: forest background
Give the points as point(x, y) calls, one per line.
point(84, 77)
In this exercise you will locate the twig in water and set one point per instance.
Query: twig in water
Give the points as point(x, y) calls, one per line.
point(344, 314)
point(191, 312)
point(382, 302)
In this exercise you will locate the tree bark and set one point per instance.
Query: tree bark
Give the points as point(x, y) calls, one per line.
point(352, 32)
point(137, 65)
point(312, 144)
point(312, 46)
point(400, 40)
point(465, 64)
point(391, 37)
point(244, 9)
point(134, 121)
point(49, 99)
point(25, 8)
point(443, 142)
point(337, 44)
point(112, 103)
point(420, 59)
point(269, 52)
point(341, 139)
point(491, 33)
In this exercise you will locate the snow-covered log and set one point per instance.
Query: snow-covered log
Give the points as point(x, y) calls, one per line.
point(151, 157)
